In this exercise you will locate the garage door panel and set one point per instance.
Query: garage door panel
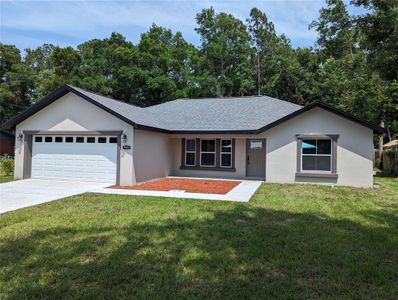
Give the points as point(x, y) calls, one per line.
point(76, 161)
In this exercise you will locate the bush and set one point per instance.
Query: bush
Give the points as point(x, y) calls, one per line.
point(7, 164)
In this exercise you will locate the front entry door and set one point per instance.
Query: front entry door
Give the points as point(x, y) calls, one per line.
point(255, 158)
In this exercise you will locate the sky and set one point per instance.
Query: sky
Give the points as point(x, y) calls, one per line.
point(30, 23)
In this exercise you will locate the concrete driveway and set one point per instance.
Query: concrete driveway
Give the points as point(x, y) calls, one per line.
point(23, 193)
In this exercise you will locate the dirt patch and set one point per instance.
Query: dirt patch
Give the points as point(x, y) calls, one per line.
point(220, 187)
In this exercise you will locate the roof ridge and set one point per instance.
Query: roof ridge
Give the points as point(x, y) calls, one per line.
point(182, 99)
point(220, 98)
point(227, 97)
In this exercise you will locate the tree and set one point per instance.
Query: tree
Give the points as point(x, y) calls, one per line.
point(227, 51)
point(337, 35)
point(164, 66)
point(263, 39)
point(39, 60)
point(379, 25)
point(348, 84)
point(16, 85)
point(355, 66)
point(62, 67)
point(100, 64)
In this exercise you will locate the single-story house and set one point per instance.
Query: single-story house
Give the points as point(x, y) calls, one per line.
point(80, 135)
point(7, 141)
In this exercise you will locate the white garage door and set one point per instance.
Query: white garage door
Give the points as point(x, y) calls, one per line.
point(87, 158)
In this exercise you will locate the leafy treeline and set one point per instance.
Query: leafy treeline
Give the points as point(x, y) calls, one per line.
point(354, 66)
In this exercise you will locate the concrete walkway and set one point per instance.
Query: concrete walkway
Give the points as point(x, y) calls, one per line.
point(241, 193)
point(24, 193)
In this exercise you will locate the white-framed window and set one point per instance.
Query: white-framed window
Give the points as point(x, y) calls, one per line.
point(226, 153)
point(190, 152)
point(316, 155)
point(207, 153)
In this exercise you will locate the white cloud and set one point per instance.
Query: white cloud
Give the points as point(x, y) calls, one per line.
point(72, 22)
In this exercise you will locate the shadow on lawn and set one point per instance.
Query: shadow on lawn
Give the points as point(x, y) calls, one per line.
point(244, 252)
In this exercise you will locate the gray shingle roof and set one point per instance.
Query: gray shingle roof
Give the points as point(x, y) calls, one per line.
point(204, 114)
point(238, 113)
point(213, 115)
point(134, 113)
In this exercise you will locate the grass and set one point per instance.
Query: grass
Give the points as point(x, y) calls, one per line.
point(6, 178)
point(290, 241)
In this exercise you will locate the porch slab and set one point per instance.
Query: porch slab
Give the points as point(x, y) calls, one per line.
point(241, 193)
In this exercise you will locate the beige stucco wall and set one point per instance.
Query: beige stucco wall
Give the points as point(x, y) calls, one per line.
point(354, 149)
point(152, 155)
point(72, 113)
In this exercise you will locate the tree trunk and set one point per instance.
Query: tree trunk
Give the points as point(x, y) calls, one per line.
point(258, 75)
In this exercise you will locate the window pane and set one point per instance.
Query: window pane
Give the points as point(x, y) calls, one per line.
point(80, 139)
point(324, 147)
point(113, 140)
point(256, 144)
point(226, 160)
point(208, 159)
point(102, 140)
point(48, 139)
point(69, 139)
point(208, 145)
point(309, 163)
point(316, 163)
point(58, 139)
point(309, 146)
point(190, 145)
point(226, 146)
point(190, 159)
point(38, 139)
point(323, 163)
point(91, 140)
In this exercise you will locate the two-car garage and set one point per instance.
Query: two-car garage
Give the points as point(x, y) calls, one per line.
point(75, 135)
point(75, 157)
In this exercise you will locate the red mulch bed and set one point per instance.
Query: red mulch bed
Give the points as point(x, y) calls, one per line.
point(189, 185)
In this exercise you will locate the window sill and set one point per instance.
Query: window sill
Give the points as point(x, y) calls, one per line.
point(316, 175)
point(208, 168)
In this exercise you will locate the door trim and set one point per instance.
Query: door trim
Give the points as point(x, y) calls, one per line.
point(265, 157)
point(28, 144)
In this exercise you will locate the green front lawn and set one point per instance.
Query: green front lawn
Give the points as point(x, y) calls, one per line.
point(290, 241)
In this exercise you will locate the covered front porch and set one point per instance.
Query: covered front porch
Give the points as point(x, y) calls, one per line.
point(232, 157)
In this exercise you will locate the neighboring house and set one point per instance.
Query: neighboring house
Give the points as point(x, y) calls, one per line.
point(390, 158)
point(392, 144)
point(76, 134)
point(7, 142)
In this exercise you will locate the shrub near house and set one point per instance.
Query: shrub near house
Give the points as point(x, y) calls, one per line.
point(7, 165)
